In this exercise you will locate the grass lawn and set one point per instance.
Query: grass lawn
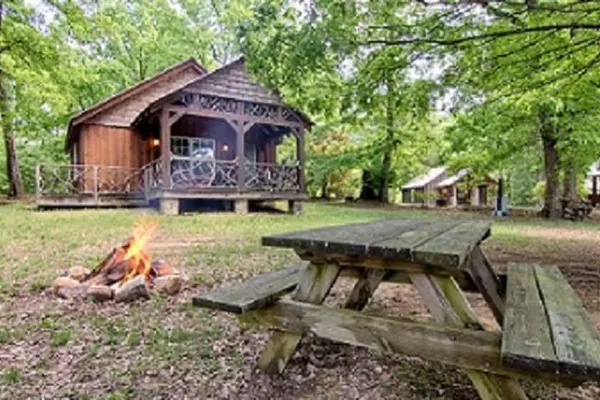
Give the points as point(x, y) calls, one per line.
point(164, 348)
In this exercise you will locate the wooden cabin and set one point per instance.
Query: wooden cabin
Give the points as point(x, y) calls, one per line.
point(184, 134)
point(461, 189)
point(421, 190)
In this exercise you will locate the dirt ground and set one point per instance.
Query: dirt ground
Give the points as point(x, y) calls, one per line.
point(166, 349)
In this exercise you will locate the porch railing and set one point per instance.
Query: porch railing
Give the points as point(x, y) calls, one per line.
point(272, 177)
point(188, 172)
point(53, 180)
point(94, 180)
point(209, 173)
point(152, 176)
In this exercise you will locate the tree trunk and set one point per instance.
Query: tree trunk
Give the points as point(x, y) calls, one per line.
point(367, 190)
point(552, 207)
point(13, 172)
point(570, 181)
point(384, 188)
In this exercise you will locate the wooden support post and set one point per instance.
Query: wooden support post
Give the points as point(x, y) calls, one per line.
point(364, 289)
point(240, 155)
point(448, 304)
point(165, 148)
point(314, 286)
point(95, 183)
point(301, 157)
point(488, 283)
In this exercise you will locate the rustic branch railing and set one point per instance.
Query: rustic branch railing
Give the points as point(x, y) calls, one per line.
point(186, 173)
point(152, 176)
point(93, 180)
point(191, 172)
point(272, 177)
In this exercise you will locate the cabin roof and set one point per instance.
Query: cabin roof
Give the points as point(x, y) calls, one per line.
point(422, 180)
point(169, 76)
point(125, 107)
point(451, 180)
point(266, 95)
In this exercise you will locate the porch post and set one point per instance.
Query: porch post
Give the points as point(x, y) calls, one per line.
point(301, 156)
point(239, 152)
point(165, 148)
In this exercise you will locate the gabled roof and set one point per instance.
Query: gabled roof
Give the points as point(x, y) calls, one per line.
point(240, 61)
point(421, 181)
point(135, 90)
point(451, 180)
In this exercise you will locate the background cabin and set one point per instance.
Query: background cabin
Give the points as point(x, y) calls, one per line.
point(461, 189)
point(184, 134)
point(438, 188)
point(422, 189)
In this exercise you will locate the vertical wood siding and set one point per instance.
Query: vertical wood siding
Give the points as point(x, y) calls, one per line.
point(109, 147)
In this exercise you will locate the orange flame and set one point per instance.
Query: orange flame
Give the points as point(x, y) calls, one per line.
point(140, 258)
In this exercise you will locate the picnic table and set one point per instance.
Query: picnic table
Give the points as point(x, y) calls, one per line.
point(545, 332)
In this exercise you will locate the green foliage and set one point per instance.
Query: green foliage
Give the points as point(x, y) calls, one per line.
point(373, 77)
point(63, 56)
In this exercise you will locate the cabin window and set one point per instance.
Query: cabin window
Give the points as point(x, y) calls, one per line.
point(250, 152)
point(192, 147)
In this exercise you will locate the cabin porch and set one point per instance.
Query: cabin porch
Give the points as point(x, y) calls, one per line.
point(206, 159)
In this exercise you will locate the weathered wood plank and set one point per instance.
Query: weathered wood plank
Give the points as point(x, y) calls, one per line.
point(256, 292)
point(526, 336)
point(354, 239)
point(448, 305)
point(576, 340)
point(463, 348)
point(314, 286)
point(407, 241)
point(364, 288)
point(451, 248)
point(489, 285)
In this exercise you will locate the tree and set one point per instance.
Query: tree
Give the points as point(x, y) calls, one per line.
point(317, 66)
point(17, 37)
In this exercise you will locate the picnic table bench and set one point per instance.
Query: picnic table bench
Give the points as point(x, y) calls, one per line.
point(546, 333)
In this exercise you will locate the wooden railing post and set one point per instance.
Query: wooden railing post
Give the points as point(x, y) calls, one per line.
point(95, 182)
point(146, 178)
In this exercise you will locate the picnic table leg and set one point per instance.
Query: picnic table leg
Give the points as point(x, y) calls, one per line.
point(315, 284)
point(364, 289)
point(449, 305)
point(487, 283)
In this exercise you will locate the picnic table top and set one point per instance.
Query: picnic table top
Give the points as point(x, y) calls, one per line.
point(437, 242)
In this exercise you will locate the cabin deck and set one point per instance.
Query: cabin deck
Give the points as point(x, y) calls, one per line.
point(75, 186)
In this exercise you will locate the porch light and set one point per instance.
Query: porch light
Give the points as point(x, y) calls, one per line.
point(225, 147)
point(155, 142)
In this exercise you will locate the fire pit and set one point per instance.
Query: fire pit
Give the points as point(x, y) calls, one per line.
point(126, 274)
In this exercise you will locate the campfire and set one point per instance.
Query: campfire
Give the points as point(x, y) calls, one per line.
point(126, 274)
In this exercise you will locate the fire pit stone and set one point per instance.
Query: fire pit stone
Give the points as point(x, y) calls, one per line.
point(78, 273)
point(64, 282)
point(131, 290)
point(125, 275)
point(170, 284)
